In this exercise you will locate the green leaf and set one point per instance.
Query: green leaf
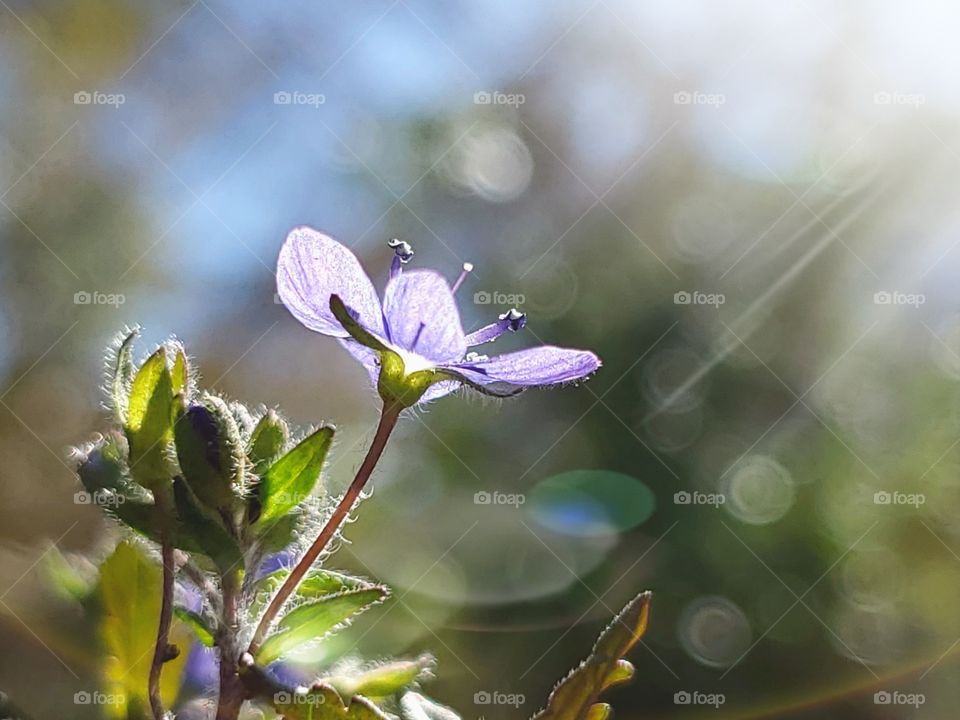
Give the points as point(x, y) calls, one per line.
point(143, 519)
point(122, 376)
point(180, 373)
point(382, 680)
point(267, 441)
point(414, 706)
point(315, 620)
point(149, 425)
point(130, 594)
point(197, 624)
point(575, 697)
point(321, 702)
point(70, 582)
point(207, 529)
point(291, 479)
point(317, 583)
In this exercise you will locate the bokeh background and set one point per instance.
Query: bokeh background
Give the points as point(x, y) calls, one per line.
point(746, 208)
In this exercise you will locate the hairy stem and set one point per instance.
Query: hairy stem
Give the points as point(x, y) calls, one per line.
point(232, 691)
point(388, 420)
point(161, 651)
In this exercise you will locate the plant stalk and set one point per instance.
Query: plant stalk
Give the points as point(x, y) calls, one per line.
point(232, 691)
point(161, 651)
point(388, 421)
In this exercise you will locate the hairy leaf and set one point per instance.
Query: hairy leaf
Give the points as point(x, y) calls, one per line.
point(130, 591)
point(122, 376)
point(382, 680)
point(414, 706)
point(576, 696)
point(197, 624)
point(314, 620)
point(321, 702)
point(149, 425)
point(69, 581)
point(180, 373)
point(267, 441)
point(290, 480)
point(207, 529)
point(317, 583)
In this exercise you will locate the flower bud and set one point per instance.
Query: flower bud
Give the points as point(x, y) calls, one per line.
point(103, 467)
point(209, 451)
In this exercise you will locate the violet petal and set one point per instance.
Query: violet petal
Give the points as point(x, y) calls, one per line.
point(422, 316)
point(314, 266)
point(533, 367)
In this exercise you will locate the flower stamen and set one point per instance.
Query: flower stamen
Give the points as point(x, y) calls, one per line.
point(513, 321)
point(467, 269)
point(402, 254)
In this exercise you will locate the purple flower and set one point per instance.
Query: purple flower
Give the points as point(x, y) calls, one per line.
point(412, 343)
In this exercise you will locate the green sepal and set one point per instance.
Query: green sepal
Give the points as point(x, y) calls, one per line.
point(394, 385)
point(149, 426)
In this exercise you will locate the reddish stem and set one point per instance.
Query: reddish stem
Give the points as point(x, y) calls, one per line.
point(388, 420)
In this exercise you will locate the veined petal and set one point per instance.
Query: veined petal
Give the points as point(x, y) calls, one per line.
point(422, 316)
point(312, 267)
point(533, 367)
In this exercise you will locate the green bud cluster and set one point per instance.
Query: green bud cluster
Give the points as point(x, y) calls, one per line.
point(220, 480)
